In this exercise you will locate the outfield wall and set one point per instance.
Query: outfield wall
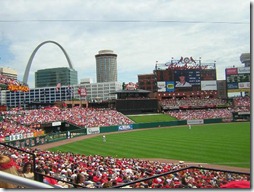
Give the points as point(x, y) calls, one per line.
point(74, 131)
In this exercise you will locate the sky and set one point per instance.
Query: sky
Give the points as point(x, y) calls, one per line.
point(140, 32)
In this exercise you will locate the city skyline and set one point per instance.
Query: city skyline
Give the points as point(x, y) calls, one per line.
point(140, 32)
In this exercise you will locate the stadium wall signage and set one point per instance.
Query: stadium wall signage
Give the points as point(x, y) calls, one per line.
point(125, 127)
point(56, 123)
point(195, 121)
point(93, 130)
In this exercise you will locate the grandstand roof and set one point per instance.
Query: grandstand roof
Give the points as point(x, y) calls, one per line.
point(131, 91)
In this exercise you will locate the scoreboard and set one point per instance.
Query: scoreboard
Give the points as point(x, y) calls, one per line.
point(238, 79)
point(198, 80)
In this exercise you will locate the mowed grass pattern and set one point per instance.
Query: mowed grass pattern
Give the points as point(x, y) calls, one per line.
point(223, 144)
point(151, 118)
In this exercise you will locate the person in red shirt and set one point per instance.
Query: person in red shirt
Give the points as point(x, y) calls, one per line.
point(49, 180)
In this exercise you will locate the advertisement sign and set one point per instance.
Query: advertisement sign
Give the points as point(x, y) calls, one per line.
point(125, 127)
point(170, 86)
point(232, 85)
point(195, 122)
point(243, 70)
point(244, 85)
point(238, 78)
point(208, 85)
point(239, 90)
point(165, 86)
point(56, 123)
point(161, 85)
point(82, 91)
point(231, 71)
point(93, 130)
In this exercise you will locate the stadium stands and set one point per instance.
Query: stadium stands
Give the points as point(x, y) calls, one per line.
point(98, 171)
point(61, 169)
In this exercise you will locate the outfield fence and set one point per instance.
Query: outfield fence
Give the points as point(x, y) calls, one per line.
point(71, 131)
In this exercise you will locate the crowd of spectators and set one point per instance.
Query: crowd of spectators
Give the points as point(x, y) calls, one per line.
point(192, 101)
point(95, 171)
point(240, 104)
point(8, 128)
point(201, 114)
point(7, 80)
point(241, 101)
point(87, 117)
point(20, 121)
point(12, 84)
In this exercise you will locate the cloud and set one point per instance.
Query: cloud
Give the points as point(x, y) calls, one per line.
point(139, 32)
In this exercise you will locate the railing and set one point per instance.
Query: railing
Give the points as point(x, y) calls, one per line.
point(175, 171)
point(38, 182)
point(21, 181)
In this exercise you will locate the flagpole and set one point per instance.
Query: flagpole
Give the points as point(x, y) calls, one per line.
point(72, 97)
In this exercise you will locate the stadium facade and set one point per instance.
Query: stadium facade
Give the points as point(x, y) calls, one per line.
point(200, 77)
point(51, 77)
point(106, 66)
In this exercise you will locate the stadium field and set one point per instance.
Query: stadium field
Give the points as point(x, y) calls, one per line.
point(151, 118)
point(220, 144)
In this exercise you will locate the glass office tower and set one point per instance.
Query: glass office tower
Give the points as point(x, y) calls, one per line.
point(51, 77)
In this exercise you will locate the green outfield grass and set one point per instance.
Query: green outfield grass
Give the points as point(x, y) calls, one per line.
point(151, 118)
point(224, 144)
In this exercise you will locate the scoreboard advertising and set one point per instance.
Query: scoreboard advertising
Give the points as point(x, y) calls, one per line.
point(238, 79)
point(189, 80)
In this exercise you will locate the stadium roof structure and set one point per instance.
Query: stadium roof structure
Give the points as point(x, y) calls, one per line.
point(131, 91)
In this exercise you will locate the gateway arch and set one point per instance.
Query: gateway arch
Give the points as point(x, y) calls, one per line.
point(25, 78)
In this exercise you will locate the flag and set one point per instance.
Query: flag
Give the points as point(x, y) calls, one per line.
point(69, 90)
point(82, 91)
point(58, 86)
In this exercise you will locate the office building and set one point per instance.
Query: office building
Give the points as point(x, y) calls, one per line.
point(106, 66)
point(86, 81)
point(95, 92)
point(147, 82)
point(51, 77)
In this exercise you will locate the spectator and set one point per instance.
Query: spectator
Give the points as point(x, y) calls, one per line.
point(27, 171)
point(79, 180)
point(8, 165)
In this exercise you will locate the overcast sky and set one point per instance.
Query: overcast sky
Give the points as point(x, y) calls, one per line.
point(140, 32)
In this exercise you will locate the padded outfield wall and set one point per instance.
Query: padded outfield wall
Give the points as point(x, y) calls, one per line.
point(78, 131)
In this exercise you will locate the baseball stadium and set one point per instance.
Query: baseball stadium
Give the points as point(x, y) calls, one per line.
point(166, 137)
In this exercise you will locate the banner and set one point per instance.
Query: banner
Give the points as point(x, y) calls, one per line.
point(125, 127)
point(161, 86)
point(56, 123)
point(243, 70)
point(244, 85)
point(231, 71)
point(82, 91)
point(195, 121)
point(93, 130)
point(170, 87)
point(208, 85)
